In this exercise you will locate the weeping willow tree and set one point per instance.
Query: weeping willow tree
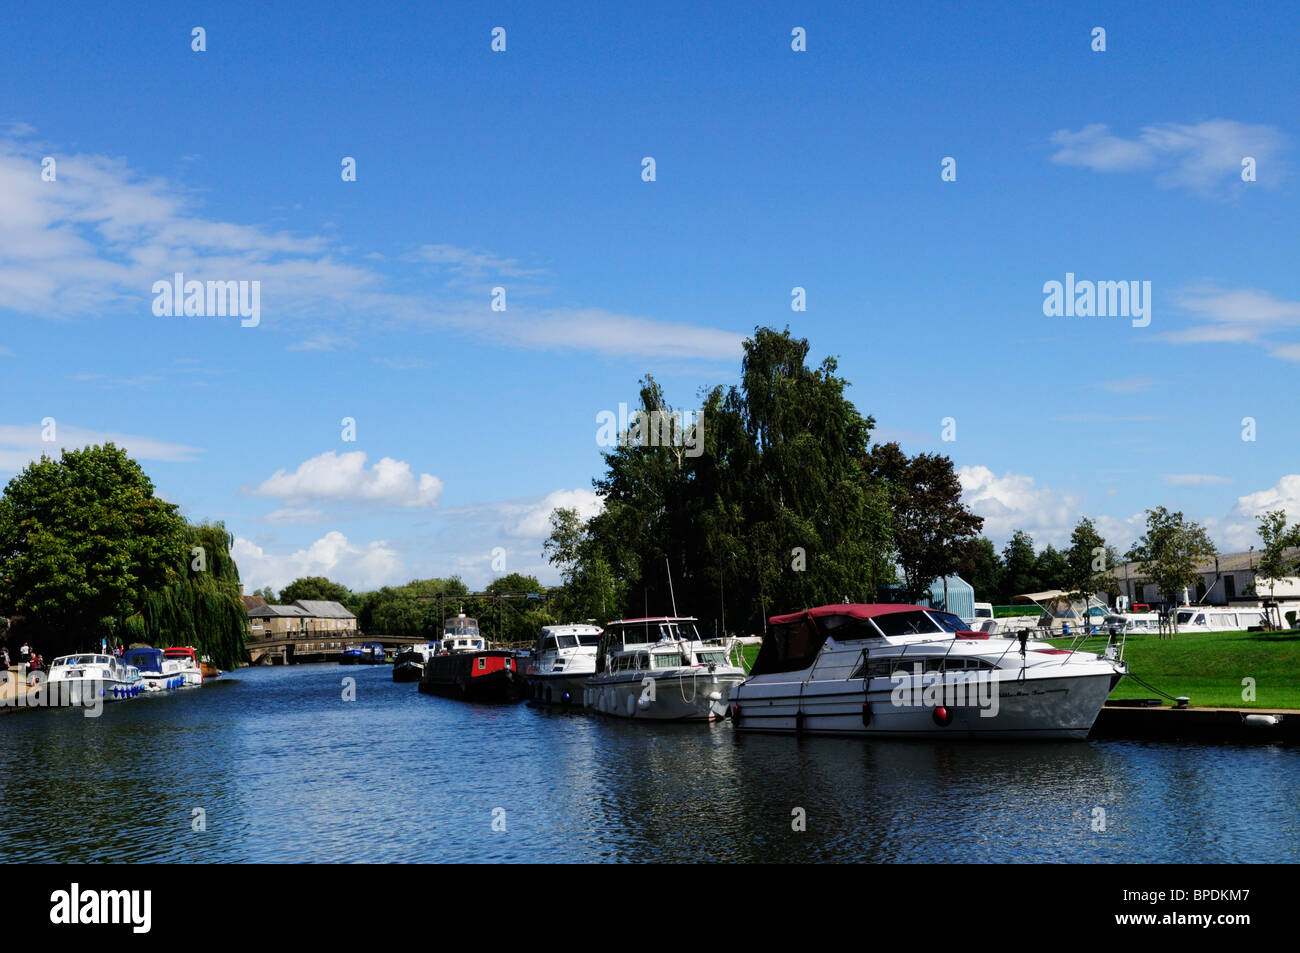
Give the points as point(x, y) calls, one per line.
point(203, 608)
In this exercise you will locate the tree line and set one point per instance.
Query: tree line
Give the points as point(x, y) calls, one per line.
point(418, 609)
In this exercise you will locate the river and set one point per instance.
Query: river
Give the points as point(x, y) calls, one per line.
point(273, 765)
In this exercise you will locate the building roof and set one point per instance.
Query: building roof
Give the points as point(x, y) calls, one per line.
point(1226, 562)
point(269, 612)
point(321, 609)
point(252, 602)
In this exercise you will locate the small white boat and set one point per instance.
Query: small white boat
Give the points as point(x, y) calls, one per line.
point(75, 679)
point(660, 669)
point(188, 659)
point(563, 659)
point(911, 671)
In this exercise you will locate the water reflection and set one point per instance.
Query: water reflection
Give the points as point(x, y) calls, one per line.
point(284, 770)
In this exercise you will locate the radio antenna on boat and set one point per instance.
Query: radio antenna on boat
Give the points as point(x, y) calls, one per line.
point(670, 584)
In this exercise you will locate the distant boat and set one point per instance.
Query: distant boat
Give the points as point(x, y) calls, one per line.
point(373, 653)
point(351, 655)
point(410, 662)
point(467, 668)
point(208, 669)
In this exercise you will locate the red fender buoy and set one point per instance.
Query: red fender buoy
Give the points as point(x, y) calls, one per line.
point(942, 717)
point(866, 714)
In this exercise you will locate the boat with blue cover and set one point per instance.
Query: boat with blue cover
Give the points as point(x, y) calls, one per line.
point(158, 673)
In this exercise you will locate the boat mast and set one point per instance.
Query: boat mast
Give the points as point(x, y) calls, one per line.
point(670, 584)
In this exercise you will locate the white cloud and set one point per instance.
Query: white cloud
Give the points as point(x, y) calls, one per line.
point(21, 444)
point(320, 342)
point(617, 335)
point(535, 520)
point(97, 239)
point(344, 478)
point(1200, 157)
point(356, 566)
point(1238, 316)
point(1015, 501)
point(1195, 479)
point(1127, 385)
point(470, 263)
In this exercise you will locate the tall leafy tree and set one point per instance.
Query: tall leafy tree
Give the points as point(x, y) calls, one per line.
point(1276, 561)
point(766, 505)
point(1051, 568)
point(979, 564)
point(315, 588)
point(202, 607)
point(1170, 550)
point(1018, 562)
point(931, 525)
point(82, 541)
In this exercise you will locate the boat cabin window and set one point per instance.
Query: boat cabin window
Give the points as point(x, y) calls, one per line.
point(549, 644)
point(906, 623)
point(589, 640)
point(566, 641)
point(789, 647)
point(710, 658)
point(845, 628)
point(1183, 618)
point(667, 659)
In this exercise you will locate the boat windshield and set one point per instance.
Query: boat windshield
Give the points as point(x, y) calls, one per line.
point(906, 623)
point(1184, 618)
point(566, 641)
point(949, 622)
point(84, 660)
point(589, 640)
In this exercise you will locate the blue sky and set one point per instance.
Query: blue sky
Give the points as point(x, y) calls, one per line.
point(522, 169)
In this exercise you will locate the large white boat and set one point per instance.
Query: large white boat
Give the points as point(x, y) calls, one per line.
point(660, 669)
point(75, 679)
point(910, 671)
point(563, 659)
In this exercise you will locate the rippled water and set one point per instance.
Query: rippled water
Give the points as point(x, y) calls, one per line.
point(285, 770)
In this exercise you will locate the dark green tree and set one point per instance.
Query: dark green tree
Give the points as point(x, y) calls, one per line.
point(202, 608)
point(931, 525)
point(315, 588)
point(1170, 551)
point(82, 541)
point(1018, 566)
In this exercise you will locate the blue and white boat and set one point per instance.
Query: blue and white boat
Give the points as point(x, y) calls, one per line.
point(157, 672)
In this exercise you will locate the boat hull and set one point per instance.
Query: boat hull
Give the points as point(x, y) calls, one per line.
point(1047, 708)
point(681, 696)
point(560, 690)
point(81, 691)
